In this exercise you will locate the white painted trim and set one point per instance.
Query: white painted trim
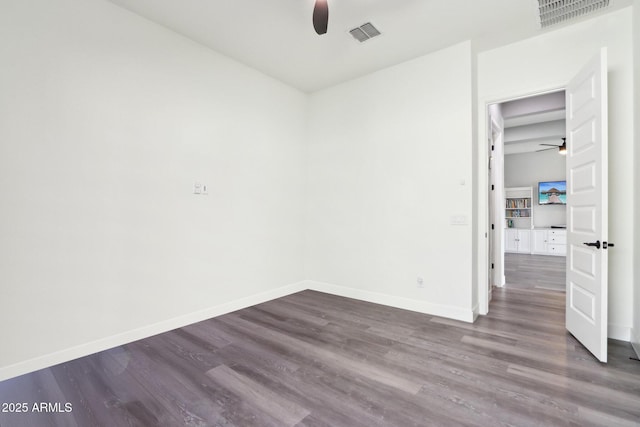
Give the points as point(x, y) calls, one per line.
point(102, 344)
point(457, 313)
point(482, 203)
point(619, 332)
point(476, 312)
point(635, 341)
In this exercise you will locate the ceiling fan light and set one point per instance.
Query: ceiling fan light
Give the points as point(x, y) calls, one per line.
point(562, 150)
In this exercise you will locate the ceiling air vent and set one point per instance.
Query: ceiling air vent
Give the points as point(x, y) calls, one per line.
point(364, 32)
point(553, 12)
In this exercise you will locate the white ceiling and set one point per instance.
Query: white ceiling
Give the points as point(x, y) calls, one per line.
point(534, 123)
point(277, 36)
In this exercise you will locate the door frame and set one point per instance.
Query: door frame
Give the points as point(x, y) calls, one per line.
point(496, 194)
point(484, 218)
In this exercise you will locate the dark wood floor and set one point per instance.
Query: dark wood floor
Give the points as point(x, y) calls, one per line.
point(526, 271)
point(313, 359)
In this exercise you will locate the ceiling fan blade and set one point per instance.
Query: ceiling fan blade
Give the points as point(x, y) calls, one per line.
point(546, 149)
point(551, 145)
point(321, 16)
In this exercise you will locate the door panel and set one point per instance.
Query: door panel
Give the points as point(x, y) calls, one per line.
point(583, 302)
point(586, 310)
point(539, 242)
point(511, 240)
point(524, 241)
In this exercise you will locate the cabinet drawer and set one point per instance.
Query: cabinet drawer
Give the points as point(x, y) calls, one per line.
point(557, 249)
point(559, 238)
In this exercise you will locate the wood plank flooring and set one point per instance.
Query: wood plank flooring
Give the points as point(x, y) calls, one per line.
point(313, 359)
point(526, 271)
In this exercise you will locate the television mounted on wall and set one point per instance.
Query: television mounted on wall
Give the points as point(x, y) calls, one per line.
point(552, 193)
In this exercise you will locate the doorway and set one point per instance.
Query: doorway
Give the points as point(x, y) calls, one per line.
point(529, 192)
point(586, 234)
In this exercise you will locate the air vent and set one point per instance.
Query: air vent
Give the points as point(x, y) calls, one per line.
point(553, 12)
point(364, 32)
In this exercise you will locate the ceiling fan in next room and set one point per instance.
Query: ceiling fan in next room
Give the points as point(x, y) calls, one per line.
point(562, 148)
point(321, 16)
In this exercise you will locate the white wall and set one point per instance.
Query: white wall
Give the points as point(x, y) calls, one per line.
point(106, 121)
point(390, 160)
point(548, 62)
point(636, 254)
point(526, 170)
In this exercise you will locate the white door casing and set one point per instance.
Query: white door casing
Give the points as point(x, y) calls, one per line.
point(496, 203)
point(587, 287)
point(491, 226)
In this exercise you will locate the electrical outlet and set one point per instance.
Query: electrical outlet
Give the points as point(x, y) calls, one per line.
point(420, 282)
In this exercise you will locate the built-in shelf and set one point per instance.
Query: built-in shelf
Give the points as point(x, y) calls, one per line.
point(518, 210)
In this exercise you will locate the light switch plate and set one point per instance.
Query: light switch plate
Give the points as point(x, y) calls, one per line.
point(459, 219)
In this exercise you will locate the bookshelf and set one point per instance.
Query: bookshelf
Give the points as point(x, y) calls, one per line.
point(518, 207)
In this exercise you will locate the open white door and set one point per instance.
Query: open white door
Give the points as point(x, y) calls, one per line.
point(586, 314)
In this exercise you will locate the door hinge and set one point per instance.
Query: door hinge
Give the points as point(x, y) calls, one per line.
point(493, 147)
point(493, 227)
point(492, 266)
point(493, 187)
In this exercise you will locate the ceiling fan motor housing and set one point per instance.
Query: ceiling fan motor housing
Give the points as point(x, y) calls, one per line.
point(321, 16)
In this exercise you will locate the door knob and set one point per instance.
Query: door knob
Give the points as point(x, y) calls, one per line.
point(595, 244)
point(606, 245)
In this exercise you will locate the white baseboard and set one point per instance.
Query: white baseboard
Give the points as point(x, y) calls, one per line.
point(457, 313)
point(476, 312)
point(102, 344)
point(617, 332)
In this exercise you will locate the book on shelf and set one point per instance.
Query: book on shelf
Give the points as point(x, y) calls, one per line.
point(518, 203)
point(517, 213)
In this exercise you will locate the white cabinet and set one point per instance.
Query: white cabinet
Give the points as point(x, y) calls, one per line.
point(517, 240)
point(539, 242)
point(549, 242)
point(557, 242)
point(524, 241)
point(511, 240)
point(518, 215)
